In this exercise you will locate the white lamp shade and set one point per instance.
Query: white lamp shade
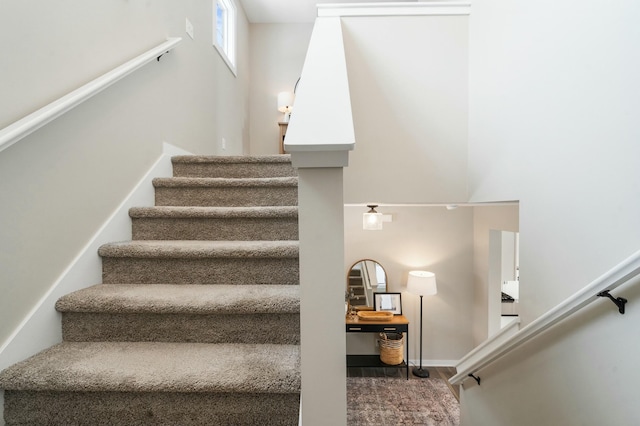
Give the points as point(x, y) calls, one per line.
point(285, 101)
point(422, 283)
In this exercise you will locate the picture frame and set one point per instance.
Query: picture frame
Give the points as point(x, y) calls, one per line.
point(388, 302)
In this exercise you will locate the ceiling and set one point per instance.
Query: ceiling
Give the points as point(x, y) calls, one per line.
point(290, 11)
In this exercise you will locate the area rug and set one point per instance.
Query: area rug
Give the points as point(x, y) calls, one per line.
point(384, 401)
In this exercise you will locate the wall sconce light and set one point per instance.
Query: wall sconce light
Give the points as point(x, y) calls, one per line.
point(422, 283)
point(285, 104)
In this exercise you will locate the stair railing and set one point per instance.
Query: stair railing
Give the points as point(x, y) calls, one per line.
point(486, 354)
point(32, 122)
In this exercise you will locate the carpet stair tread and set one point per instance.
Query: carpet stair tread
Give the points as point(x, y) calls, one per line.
point(158, 367)
point(183, 298)
point(197, 182)
point(214, 223)
point(183, 212)
point(231, 159)
point(233, 166)
point(217, 192)
point(200, 249)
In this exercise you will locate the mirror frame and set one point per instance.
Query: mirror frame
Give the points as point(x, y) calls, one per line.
point(366, 306)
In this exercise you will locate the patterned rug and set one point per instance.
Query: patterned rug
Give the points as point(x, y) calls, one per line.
point(384, 401)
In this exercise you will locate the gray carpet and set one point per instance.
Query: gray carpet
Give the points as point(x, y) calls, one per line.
point(235, 192)
point(186, 298)
point(392, 401)
point(182, 313)
point(215, 223)
point(151, 409)
point(160, 367)
point(233, 166)
point(196, 321)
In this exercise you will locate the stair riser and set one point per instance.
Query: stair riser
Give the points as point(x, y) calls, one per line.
point(227, 197)
point(149, 408)
point(215, 229)
point(255, 328)
point(212, 170)
point(200, 270)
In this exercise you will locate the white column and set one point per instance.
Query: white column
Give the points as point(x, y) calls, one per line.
point(322, 281)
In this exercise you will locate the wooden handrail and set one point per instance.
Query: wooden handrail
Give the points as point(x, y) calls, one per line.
point(32, 122)
point(620, 274)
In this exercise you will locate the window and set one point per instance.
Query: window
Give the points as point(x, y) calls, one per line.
point(224, 36)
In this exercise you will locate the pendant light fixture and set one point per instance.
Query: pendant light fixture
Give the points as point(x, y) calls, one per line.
point(372, 220)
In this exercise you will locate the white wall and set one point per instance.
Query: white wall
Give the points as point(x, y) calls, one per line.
point(277, 56)
point(551, 125)
point(553, 91)
point(424, 238)
point(61, 183)
point(408, 83)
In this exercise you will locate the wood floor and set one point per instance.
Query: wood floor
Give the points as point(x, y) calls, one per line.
point(443, 373)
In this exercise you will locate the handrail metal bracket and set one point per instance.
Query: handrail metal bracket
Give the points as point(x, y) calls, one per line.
point(476, 378)
point(619, 301)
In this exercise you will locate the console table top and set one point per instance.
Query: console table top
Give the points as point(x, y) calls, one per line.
point(397, 319)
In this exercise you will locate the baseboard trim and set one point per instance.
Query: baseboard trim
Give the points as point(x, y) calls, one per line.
point(41, 327)
point(434, 362)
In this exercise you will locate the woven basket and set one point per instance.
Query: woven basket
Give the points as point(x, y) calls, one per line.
point(391, 348)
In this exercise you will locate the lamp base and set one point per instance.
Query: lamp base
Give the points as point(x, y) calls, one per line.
point(420, 372)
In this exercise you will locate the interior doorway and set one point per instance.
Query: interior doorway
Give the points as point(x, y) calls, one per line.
point(504, 278)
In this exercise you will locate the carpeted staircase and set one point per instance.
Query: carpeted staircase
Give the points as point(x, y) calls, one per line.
point(197, 319)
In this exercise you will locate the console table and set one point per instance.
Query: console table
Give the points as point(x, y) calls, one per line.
point(398, 324)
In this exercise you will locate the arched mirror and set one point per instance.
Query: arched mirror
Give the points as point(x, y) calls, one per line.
point(364, 278)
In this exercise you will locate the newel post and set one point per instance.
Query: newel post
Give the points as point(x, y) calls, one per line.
point(323, 345)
